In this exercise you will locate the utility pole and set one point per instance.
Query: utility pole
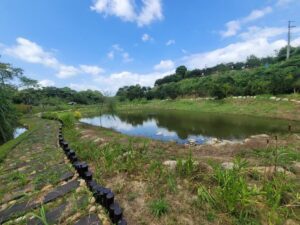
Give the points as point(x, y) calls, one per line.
point(288, 50)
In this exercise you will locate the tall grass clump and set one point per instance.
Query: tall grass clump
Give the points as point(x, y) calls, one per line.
point(159, 207)
point(68, 119)
point(231, 193)
point(185, 167)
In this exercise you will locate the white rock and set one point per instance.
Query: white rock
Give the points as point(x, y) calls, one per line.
point(192, 141)
point(171, 164)
point(92, 209)
point(227, 165)
point(296, 167)
point(272, 98)
point(285, 99)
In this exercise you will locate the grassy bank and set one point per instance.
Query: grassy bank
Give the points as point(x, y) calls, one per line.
point(261, 106)
point(6, 147)
point(258, 184)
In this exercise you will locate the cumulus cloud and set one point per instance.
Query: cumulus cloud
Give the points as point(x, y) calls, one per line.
point(31, 52)
point(235, 52)
point(46, 83)
point(170, 42)
point(111, 83)
point(93, 70)
point(126, 10)
point(165, 65)
point(233, 26)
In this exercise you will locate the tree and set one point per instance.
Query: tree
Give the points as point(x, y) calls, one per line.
point(8, 115)
point(181, 71)
point(253, 61)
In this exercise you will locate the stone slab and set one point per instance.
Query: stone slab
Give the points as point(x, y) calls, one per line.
point(61, 191)
point(91, 219)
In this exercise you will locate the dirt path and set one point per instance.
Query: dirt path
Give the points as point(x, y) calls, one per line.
point(36, 178)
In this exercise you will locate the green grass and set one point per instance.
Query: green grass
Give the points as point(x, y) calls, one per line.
point(261, 106)
point(6, 148)
point(159, 207)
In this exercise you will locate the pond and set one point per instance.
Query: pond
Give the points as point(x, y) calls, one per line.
point(16, 133)
point(184, 127)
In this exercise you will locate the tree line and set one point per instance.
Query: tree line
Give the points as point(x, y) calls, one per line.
point(19, 90)
point(269, 75)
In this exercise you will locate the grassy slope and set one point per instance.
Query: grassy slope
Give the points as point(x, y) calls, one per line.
point(5, 148)
point(261, 106)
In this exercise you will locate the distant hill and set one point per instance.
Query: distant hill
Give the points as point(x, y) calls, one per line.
point(269, 75)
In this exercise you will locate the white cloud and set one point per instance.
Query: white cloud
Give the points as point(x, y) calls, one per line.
point(165, 65)
point(120, 8)
point(93, 70)
point(150, 11)
point(234, 52)
point(111, 55)
point(233, 26)
point(83, 87)
point(262, 32)
point(281, 3)
point(146, 37)
point(46, 83)
point(113, 82)
point(126, 57)
point(31, 52)
point(170, 42)
point(67, 71)
point(257, 14)
point(118, 51)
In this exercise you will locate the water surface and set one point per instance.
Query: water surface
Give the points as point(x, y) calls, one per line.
point(183, 127)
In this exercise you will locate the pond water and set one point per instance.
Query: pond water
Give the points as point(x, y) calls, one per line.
point(183, 127)
point(17, 132)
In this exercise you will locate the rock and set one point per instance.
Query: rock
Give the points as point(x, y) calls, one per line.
point(227, 165)
point(171, 164)
point(260, 136)
point(212, 141)
point(272, 98)
point(285, 99)
point(82, 183)
point(92, 200)
point(92, 209)
point(192, 141)
point(291, 222)
point(269, 170)
point(296, 167)
point(278, 99)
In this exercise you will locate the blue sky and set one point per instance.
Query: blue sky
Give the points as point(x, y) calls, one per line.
point(106, 44)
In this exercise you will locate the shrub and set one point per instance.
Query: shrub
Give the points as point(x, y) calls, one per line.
point(68, 119)
point(77, 115)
